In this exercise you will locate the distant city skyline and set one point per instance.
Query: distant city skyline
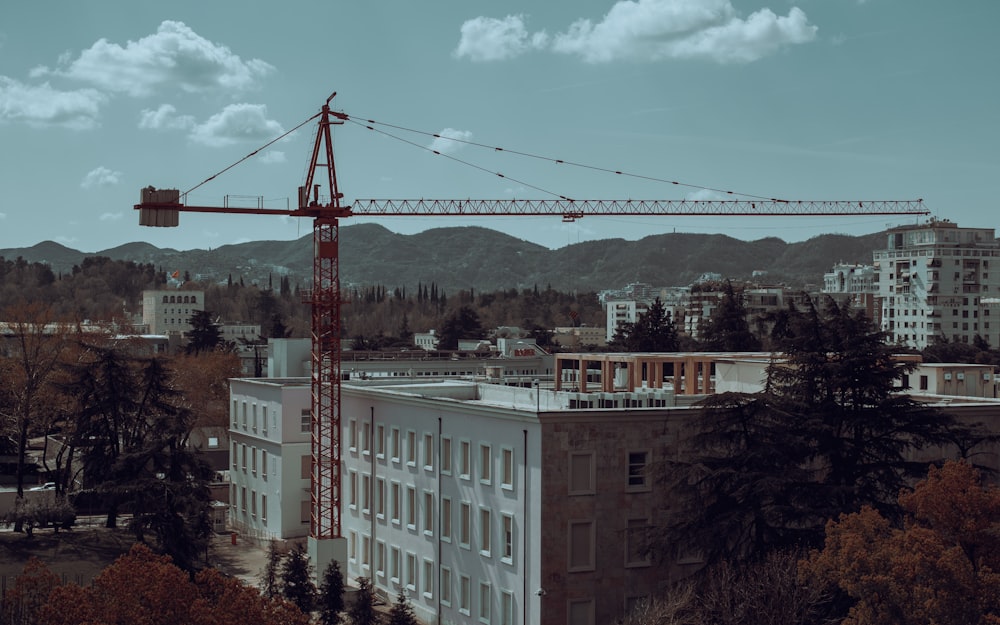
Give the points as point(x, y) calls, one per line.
point(859, 99)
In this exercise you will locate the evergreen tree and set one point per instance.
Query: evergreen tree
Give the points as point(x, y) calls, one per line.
point(362, 611)
point(827, 435)
point(462, 324)
point(401, 612)
point(269, 582)
point(204, 335)
point(728, 329)
point(296, 580)
point(653, 331)
point(331, 595)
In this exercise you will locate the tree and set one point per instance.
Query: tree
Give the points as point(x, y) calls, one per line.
point(401, 612)
point(728, 329)
point(828, 434)
point(653, 331)
point(462, 324)
point(362, 611)
point(940, 565)
point(269, 586)
point(331, 595)
point(144, 588)
point(296, 580)
point(22, 603)
point(204, 335)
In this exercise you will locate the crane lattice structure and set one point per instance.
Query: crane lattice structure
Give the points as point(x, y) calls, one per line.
point(323, 205)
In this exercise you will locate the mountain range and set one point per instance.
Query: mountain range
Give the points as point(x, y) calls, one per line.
point(487, 260)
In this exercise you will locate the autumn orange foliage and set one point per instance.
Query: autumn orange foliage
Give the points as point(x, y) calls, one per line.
point(143, 588)
point(942, 566)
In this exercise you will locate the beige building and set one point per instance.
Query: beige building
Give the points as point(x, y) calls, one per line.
point(169, 312)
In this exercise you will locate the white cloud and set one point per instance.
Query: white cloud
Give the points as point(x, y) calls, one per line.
point(646, 30)
point(100, 177)
point(42, 105)
point(175, 55)
point(450, 140)
point(492, 39)
point(704, 195)
point(236, 123)
point(111, 216)
point(65, 240)
point(273, 156)
point(165, 118)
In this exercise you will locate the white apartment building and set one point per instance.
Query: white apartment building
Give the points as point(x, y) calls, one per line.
point(850, 279)
point(168, 312)
point(270, 451)
point(935, 282)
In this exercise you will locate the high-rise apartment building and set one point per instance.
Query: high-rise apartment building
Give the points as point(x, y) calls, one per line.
point(936, 283)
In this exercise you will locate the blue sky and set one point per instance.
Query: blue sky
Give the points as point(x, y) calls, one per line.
point(809, 99)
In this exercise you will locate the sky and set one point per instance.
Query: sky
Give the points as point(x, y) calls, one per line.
point(800, 100)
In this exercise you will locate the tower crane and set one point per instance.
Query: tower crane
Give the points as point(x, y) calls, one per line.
point(323, 204)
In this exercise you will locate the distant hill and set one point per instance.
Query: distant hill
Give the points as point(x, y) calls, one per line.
point(487, 260)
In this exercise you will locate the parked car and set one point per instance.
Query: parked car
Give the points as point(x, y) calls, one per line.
point(45, 486)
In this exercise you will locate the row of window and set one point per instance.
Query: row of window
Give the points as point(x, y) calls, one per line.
point(400, 446)
point(239, 454)
point(390, 570)
point(583, 472)
point(419, 517)
point(180, 299)
point(247, 416)
point(242, 501)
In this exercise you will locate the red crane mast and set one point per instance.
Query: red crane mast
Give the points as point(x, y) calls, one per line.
point(323, 205)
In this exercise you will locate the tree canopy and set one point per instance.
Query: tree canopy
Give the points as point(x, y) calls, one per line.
point(827, 435)
point(652, 331)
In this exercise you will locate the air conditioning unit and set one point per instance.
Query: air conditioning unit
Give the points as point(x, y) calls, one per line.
point(986, 377)
point(947, 376)
point(960, 376)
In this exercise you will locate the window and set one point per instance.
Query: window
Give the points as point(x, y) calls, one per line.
point(411, 508)
point(243, 499)
point(446, 519)
point(263, 419)
point(380, 558)
point(243, 452)
point(244, 420)
point(366, 486)
point(395, 445)
point(445, 586)
point(428, 513)
point(253, 409)
point(445, 455)
point(428, 578)
point(411, 571)
point(581, 473)
point(366, 551)
point(253, 503)
point(485, 464)
point(306, 467)
point(305, 421)
point(464, 591)
point(429, 451)
point(635, 537)
point(923, 382)
point(352, 489)
point(484, 602)
point(508, 538)
point(235, 414)
point(394, 565)
point(366, 436)
point(485, 531)
point(464, 460)
point(507, 469)
point(506, 608)
point(236, 455)
point(411, 448)
point(380, 497)
point(396, 502)
point(463, 527)
point(580, 612)
point(352, 547)
point(263, 508)
point(380, 441)
point(637, 461)
point(232, 496)
point(253, 460)
point(305, 512)
point(352, 435)
point(581, 546)
point(263, 463)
